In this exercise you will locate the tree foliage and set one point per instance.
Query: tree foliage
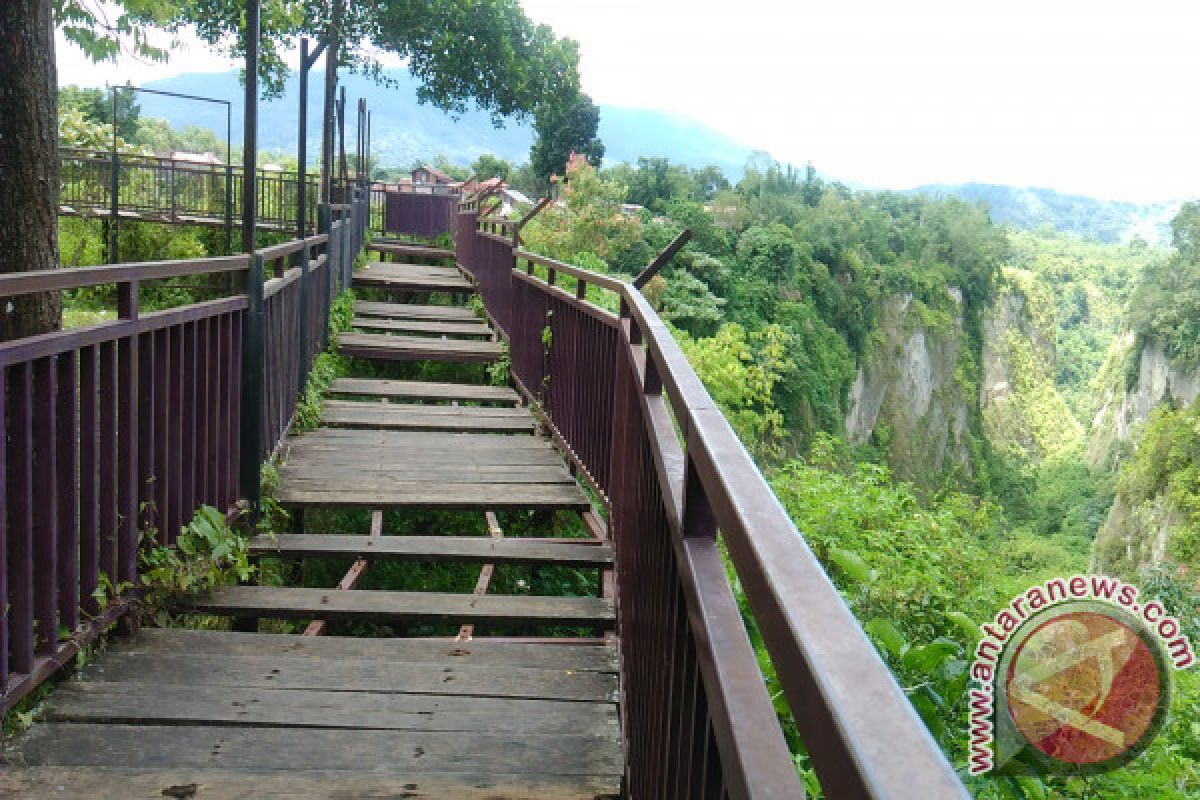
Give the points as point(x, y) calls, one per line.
point(563, 129)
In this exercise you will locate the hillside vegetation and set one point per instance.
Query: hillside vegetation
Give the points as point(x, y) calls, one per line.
point(919, 385)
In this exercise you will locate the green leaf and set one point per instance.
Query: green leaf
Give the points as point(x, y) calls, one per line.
point(964, 624)
point(886, 634)
point(926, 658)
point(852, 564)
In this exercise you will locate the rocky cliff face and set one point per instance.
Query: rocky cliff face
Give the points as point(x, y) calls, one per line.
point(1127, 405)
point(1024, 415)
point(1146, 523)
point(907, 396)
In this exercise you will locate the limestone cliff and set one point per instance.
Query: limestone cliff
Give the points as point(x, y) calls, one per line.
point(908, 396)
point(1024, 415)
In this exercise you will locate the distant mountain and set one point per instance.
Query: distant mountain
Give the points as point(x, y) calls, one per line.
point(403, 130)
point(1103, 220)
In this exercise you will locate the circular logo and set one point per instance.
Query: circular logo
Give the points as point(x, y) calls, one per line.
point(1084, 686)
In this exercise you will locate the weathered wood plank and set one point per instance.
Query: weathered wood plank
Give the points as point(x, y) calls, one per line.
point(416, 348)
point(103, 782)
point(436, 548)
point(349, 414)
point(293, 603)
point(532, 496)
point(414, 311)
point(411, 278)
point(396, 753)
point(412, 250)
point(342, 674)
point(478, 652)
point(189, 704)
point(380, 475)
point(420, 390)
point(417, 441)
point(432, 327)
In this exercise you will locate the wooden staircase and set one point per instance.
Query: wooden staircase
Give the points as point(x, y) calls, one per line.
point(213, 714)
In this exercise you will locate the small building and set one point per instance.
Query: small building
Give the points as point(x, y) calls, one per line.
point(428, 174)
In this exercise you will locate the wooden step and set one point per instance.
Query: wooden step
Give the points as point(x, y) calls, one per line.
point(412, 278)
point(387, 416)
point(381, 606)
point(103, 782)
point(416, 348)
point(420, 390)
point(434, 494)
point(282, 706)
point(343, 673)
point(432, 327)
point(553, 552)
point(410, 250)
point(599, 657)
point(414, 311)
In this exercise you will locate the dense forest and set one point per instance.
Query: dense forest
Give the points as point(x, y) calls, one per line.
point(950, 410)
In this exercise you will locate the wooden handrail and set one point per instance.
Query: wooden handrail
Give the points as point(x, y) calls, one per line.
point(861, 732)
point(13, 284)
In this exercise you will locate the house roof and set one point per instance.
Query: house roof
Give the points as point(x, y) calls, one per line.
point(437, 174)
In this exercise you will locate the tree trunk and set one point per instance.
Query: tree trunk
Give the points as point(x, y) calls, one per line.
point(28, 161)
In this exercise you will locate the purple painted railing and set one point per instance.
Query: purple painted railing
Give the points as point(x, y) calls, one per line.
point(115, 433)
point(418, 213)
point(622, 401)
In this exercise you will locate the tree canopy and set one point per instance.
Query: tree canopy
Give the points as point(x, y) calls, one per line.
point(486, 51)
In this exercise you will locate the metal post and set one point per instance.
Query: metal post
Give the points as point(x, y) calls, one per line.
point(302, 145)
point(114, 187)
point(327, 132)
point(323, 226)
point(302, 321)
point(228, 179)
point(252, 329)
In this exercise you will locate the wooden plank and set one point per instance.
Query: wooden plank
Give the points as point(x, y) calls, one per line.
point(336, 673)
point(506, 497)
point(384, 606)
point(409, 410)
point(102, 782)
point(484, 462)
point(381, 475)
point(420, 390)
point(387, 752)
point(479, 652)
point(344, 414)
point(407, 268)
point(416, 348)
point(417, 441)
point(187, 704)
point(436, 548)
point(414, 281)
point(414, 311)
point(412, 250)
point(432, 327)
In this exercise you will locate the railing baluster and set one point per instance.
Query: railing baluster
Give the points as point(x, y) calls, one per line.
point(68, 515)
point(45, 504)
point(20, 532)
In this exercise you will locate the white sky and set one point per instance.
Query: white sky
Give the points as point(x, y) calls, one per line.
point(1099, 97)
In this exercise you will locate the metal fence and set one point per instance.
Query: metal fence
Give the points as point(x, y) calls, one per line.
point(115, 433)
point(622, 400)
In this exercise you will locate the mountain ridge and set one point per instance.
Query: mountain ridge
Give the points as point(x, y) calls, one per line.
point(403, 131)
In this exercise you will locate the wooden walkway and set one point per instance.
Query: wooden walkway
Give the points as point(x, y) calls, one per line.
point(222, 714)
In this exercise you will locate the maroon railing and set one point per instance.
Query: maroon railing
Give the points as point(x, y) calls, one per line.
point(181, 192)
point(622, 400)
point(419, 213)
point(115, 433)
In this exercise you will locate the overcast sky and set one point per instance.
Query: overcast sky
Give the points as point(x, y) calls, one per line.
point(1098, 97)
